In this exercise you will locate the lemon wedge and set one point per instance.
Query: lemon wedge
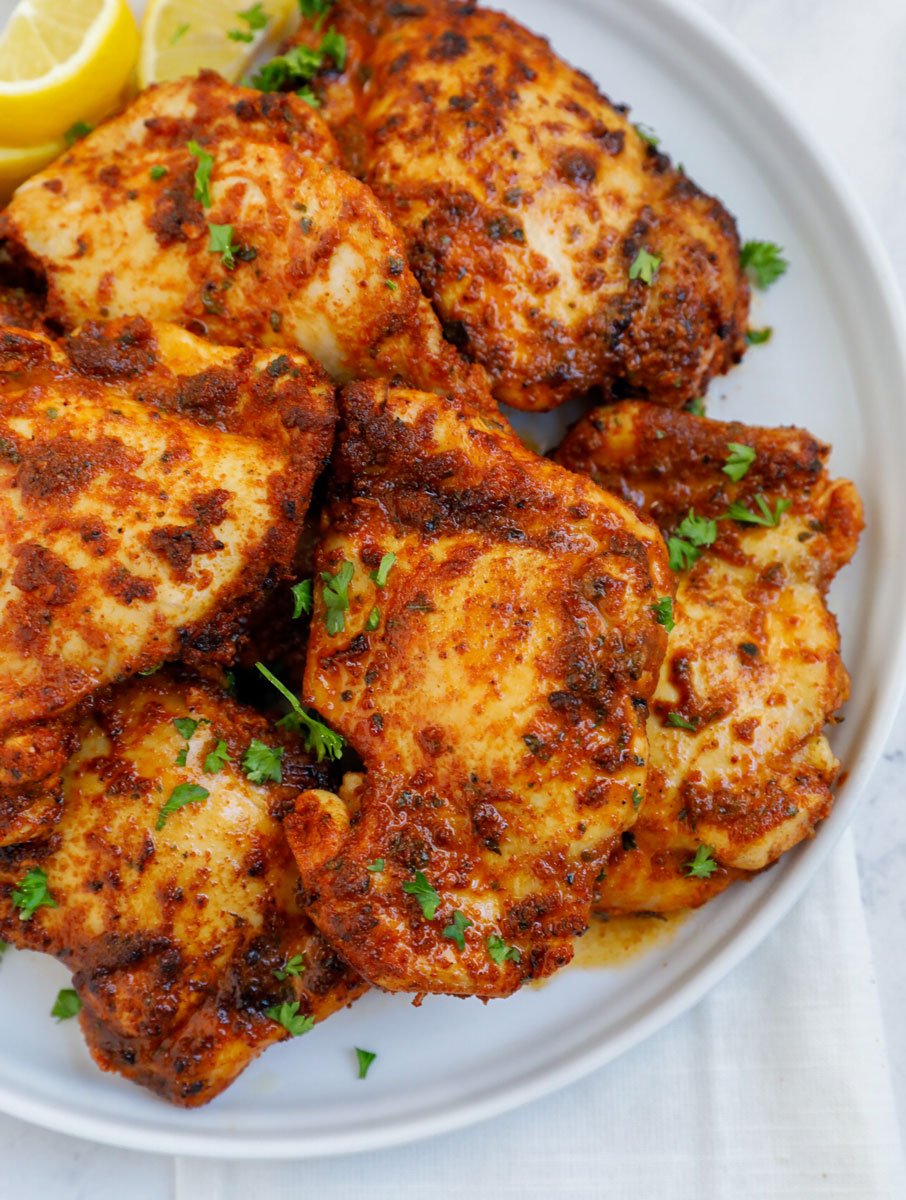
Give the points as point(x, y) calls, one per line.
point(180, 37)
point(62, 63)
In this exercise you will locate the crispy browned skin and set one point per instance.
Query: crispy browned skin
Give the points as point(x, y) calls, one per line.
point(525, 196)
point(319, 266)
point(498, 707)
point(119, 546)
point(174, 936)
point(754, 660)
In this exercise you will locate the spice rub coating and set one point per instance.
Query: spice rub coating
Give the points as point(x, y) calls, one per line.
point(494, 681)
point(125, 222)
point(753, 663)
point(174, 936)
point(525, 198)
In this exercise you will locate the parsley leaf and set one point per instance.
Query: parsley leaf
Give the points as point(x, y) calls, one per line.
point(333, 45)
point(67, 1004)
point(180, 32)
point(696, 406)
point(663, 613)
point(366, 1058)
point(315, 10)
point(738, 460)
point(320, 740)
point(739, 512)
point(182, 755)
point(262, 764)
point(336, 597)
point(645, 266)
point(302, 598)
point(300, 64)
point(182, 794)
point(700, 531)
point(763, 262)
point(374, 620)
point(32, 893)
point(758, 337)
point(500, 952)
point(76, 132)
point(255, 17)
point(305, 93)
point(424, 893)
point(455, 931)
point(682, 555)
point(377, 865)
point(202, 174)
point(292, 966)
point(384, 568)
point(678, 721)
point(157, 172)
point(703, 865)
point(647, 134)
point(637, 798)
point(216, 759)
point(222, 243)
point(185, 727)
point(288, 1016)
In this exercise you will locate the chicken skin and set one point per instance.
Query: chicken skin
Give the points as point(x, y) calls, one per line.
point(120, 546)
point(493, 677)
point(225, 210)
point(182, 925)
point(740, 768)
point(560, 248)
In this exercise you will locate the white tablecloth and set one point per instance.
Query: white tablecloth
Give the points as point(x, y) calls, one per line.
point(778, 1084)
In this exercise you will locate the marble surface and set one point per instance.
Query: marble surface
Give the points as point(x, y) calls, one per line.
point(841, 63)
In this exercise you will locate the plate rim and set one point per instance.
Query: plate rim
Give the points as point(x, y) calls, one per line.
point(687, 20)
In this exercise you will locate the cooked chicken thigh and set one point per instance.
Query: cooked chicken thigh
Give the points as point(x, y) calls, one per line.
point(560, 248)
point(739, 762)
point(493, 677)
point(181, 921)
point(153, 486)
point(225, 210)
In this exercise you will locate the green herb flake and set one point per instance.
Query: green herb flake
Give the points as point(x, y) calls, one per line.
point(678, 721)
point(76, 132)
point(455, 931)
point(202, 174)
point(335, 595)
point(179, 32)
point(292, 967)
point(299, 65)
point(320, 740)
point(647, 134)
point(663, 613)
point(185, 727)
point(739, 512)
point(288, 1016)
point(255, 17)
point(696, 406)
point(738, 461)
point(637, 798)
point(384, 567)
point(424, 893)
point(216, 759)
point(221, 242)
point(645, 266)
point(302, 598)
point(500, 952)
point(376, 866)
point(763, 262)
point(261, 763)
point(182, 794)
point(758, 337)
point(157, 172)
point(365, 1059)
point(66, 1005)
point(374, 620)
point(32, 893)
point(702, 866)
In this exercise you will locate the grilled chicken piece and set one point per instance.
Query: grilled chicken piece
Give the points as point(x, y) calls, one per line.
point(119, 547)
point(178, 936)
point(526, 198)
point(494, 682)
point(754, 660)
point(315, 263)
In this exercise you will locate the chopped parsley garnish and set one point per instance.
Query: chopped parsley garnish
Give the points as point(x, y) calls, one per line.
point(202, 174)
point(288, 1016)
point(180, 32)
point(221, 242)
point(392, 285)
point(374, 620)
point(302, 598)
point(157, 172)
point(692, 533)
point(305, 93)
point(365, 1058)
point(739, 512)
point(424, 893)
point(336, 597)
point(319, 740)
point(758, 337)
point(377, 865)
point(738, 460)
point(215, 760)
point(637, 798)
point(703, 865)
point(455, 931)
point(182, 794)
point(66, 1005)
point(315, 10)
point(76, 132)
point(182, 755)
point(384, 567)
point(32, 893)
point(663, 613)
point(261, 763)
point(645, 266)
point(185, 727)
point(763, 262)
point(300, 64)
point(500, 952)
point(255, 17)
point(292, 966)
point(647, 134)
point(696, 406)
point(678, 721)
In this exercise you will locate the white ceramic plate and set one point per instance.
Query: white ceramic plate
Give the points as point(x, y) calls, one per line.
point(837, 364)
